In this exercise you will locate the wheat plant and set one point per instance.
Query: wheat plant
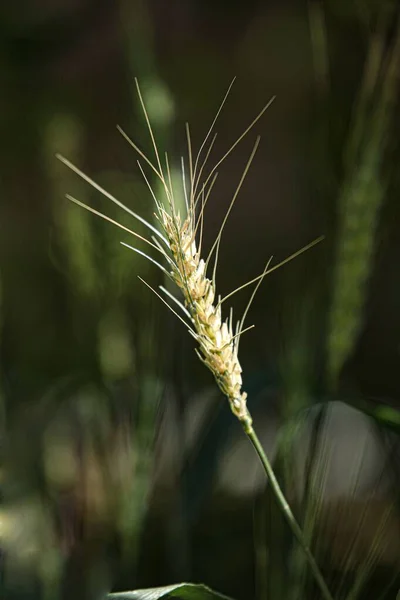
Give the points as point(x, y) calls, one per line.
point(177, 237)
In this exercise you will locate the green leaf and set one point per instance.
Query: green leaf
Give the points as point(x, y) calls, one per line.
point(183, 591)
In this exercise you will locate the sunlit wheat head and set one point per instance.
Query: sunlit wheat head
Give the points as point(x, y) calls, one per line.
point(178, 241)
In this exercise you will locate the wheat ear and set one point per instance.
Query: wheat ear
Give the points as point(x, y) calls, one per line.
point(178, 240)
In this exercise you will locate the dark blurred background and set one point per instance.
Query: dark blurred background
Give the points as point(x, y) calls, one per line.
point(120, 465)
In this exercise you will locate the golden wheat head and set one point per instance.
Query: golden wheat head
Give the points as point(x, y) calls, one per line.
point(178, 239)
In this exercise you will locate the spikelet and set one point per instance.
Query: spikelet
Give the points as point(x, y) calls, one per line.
point(216, 339)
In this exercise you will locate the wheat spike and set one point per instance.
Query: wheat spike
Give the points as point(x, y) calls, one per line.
point(218, 342)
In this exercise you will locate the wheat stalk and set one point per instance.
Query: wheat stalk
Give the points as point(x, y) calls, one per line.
point(178, 240)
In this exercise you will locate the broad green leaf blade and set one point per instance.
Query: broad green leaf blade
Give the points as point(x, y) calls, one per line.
point(183, 591)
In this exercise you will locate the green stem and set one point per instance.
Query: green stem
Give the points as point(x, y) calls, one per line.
point(289, 516)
